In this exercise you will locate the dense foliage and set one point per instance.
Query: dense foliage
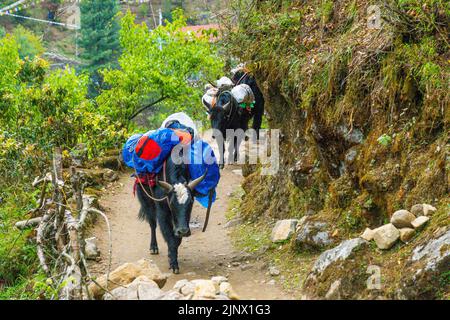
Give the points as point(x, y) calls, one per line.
point(41, 108)
point(99, 38)
point(99, 32)
point(166, 64)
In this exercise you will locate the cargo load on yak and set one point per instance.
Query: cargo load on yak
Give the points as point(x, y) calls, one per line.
point(146, 154)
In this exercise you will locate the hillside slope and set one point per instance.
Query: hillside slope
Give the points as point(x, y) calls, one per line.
point(362, 104)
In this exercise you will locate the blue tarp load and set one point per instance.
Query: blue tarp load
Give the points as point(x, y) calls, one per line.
point(202, 158)
point(147, 152)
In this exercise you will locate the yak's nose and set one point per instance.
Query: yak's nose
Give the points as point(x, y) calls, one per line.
point(182, 232)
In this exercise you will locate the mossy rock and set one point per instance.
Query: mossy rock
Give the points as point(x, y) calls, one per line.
point(109, 162)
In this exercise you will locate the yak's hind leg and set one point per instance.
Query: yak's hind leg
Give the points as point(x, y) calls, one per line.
point(173, 242)
point(148, 213)
point(257, 121)
point(221, 147)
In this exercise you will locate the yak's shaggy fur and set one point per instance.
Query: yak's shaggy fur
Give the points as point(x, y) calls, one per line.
point(181, 192)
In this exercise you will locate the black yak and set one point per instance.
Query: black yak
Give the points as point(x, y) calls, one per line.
point(167, 199)
point(229, 112)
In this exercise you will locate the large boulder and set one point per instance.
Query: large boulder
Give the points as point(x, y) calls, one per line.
point(204, 289)
point(127, 273)
point(226, 290)
point(367, 234)
point(402, 219)
point(386, 236)
point(142, 288)
point(313, 235)
point(218, 288)
point(91, 251)
point(406, 234)
point(426, 268)
point(420, 222)
point(110, 175)
point(422, 209)
point(339, 253)
point(283, 230)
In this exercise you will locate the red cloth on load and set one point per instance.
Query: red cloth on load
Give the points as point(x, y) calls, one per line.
point(148, 179)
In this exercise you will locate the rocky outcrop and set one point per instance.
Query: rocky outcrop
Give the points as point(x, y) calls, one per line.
point(339, 253)
point(403, 226)
point(402, 219)
point(424, 275)
point(283, 230)
point(143, 281)
point(91, 251)
point(386, 236)
point(142, 288)
point(218, 288)
point(126, 274)
point(312, 235)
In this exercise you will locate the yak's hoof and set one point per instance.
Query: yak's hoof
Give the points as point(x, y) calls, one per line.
point(154, 251)
point(175, 269)
point(221, 166)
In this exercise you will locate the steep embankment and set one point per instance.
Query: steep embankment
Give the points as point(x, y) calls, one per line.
point(362, 104)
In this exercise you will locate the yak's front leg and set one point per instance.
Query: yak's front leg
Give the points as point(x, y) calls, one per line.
point(153, 243)
point(172, 241)
point(236, 145)
point(221, 147)
point(172, 248)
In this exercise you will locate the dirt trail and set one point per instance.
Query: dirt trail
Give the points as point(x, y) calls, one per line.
point(201, 255)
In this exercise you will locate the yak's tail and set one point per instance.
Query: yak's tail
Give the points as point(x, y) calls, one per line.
point(145, 210)
point(142, 215)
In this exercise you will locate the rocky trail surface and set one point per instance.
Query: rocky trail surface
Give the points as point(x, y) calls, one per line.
point(201, 256)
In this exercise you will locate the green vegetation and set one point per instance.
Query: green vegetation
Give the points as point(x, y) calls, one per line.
point(363, 112)
point(254, 238)
point(99, 32)
point(42, 108)
point(391, 84)
point(29, 45)
point(99, 38)
point(154, 69)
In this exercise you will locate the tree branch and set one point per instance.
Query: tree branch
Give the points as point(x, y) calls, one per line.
point(146, 107)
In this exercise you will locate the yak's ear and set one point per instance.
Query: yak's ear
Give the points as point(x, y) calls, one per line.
point(207, 105)
point(166, 186)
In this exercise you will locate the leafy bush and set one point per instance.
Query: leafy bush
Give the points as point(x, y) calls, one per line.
point(166, 64)
point(29, 44)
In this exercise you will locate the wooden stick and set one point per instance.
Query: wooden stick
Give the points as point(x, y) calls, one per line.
point(40, 243)
point(28, 223)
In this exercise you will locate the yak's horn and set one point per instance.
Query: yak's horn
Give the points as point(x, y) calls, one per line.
point(166, 186)
point(197, 181)
point(227, 106)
